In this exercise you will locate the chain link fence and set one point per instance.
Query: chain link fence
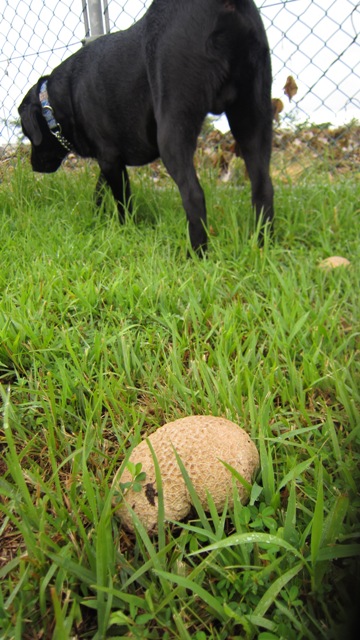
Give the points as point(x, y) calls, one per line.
point(314, 43)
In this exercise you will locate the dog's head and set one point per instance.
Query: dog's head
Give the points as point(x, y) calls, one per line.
point(47, 153)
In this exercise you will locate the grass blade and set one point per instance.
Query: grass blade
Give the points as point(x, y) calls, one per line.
point(187, 583)
point(251, 538)
point(273, 591)
point(318, 520)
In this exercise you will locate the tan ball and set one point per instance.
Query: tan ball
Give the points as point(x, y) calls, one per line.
point(201, 442)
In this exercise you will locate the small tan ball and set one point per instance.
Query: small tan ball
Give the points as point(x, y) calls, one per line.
point(201, 442)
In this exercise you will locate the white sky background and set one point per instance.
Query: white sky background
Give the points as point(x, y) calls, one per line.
point(315, 41)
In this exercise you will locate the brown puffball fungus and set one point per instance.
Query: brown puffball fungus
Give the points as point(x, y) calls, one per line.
point(201, 442)
point(333, 262)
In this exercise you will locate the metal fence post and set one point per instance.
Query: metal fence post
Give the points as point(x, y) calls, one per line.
point(94, 15)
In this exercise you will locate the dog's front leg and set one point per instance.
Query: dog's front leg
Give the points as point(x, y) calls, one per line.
point(116, 177)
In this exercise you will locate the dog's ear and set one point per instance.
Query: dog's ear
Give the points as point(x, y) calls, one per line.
point(30, 114)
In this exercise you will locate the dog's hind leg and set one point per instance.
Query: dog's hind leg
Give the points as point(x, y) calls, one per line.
point(252, 130)
point(177, 147)
point(116, 177)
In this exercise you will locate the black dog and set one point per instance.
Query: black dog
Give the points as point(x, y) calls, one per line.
point(129, 97)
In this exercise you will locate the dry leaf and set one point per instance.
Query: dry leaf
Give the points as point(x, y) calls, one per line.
point(277, 106)
point(290, 88)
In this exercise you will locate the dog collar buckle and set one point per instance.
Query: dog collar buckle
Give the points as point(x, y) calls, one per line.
point(48, 113)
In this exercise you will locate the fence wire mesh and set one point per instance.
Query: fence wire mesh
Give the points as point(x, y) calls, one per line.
point(314, 43)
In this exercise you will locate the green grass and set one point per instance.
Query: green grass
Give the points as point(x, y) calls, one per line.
point(108, 332)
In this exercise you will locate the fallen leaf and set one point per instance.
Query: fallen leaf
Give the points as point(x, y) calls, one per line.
point(290, 88)
point(277, 106)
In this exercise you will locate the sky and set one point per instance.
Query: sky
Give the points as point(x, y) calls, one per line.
point(315, 41)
